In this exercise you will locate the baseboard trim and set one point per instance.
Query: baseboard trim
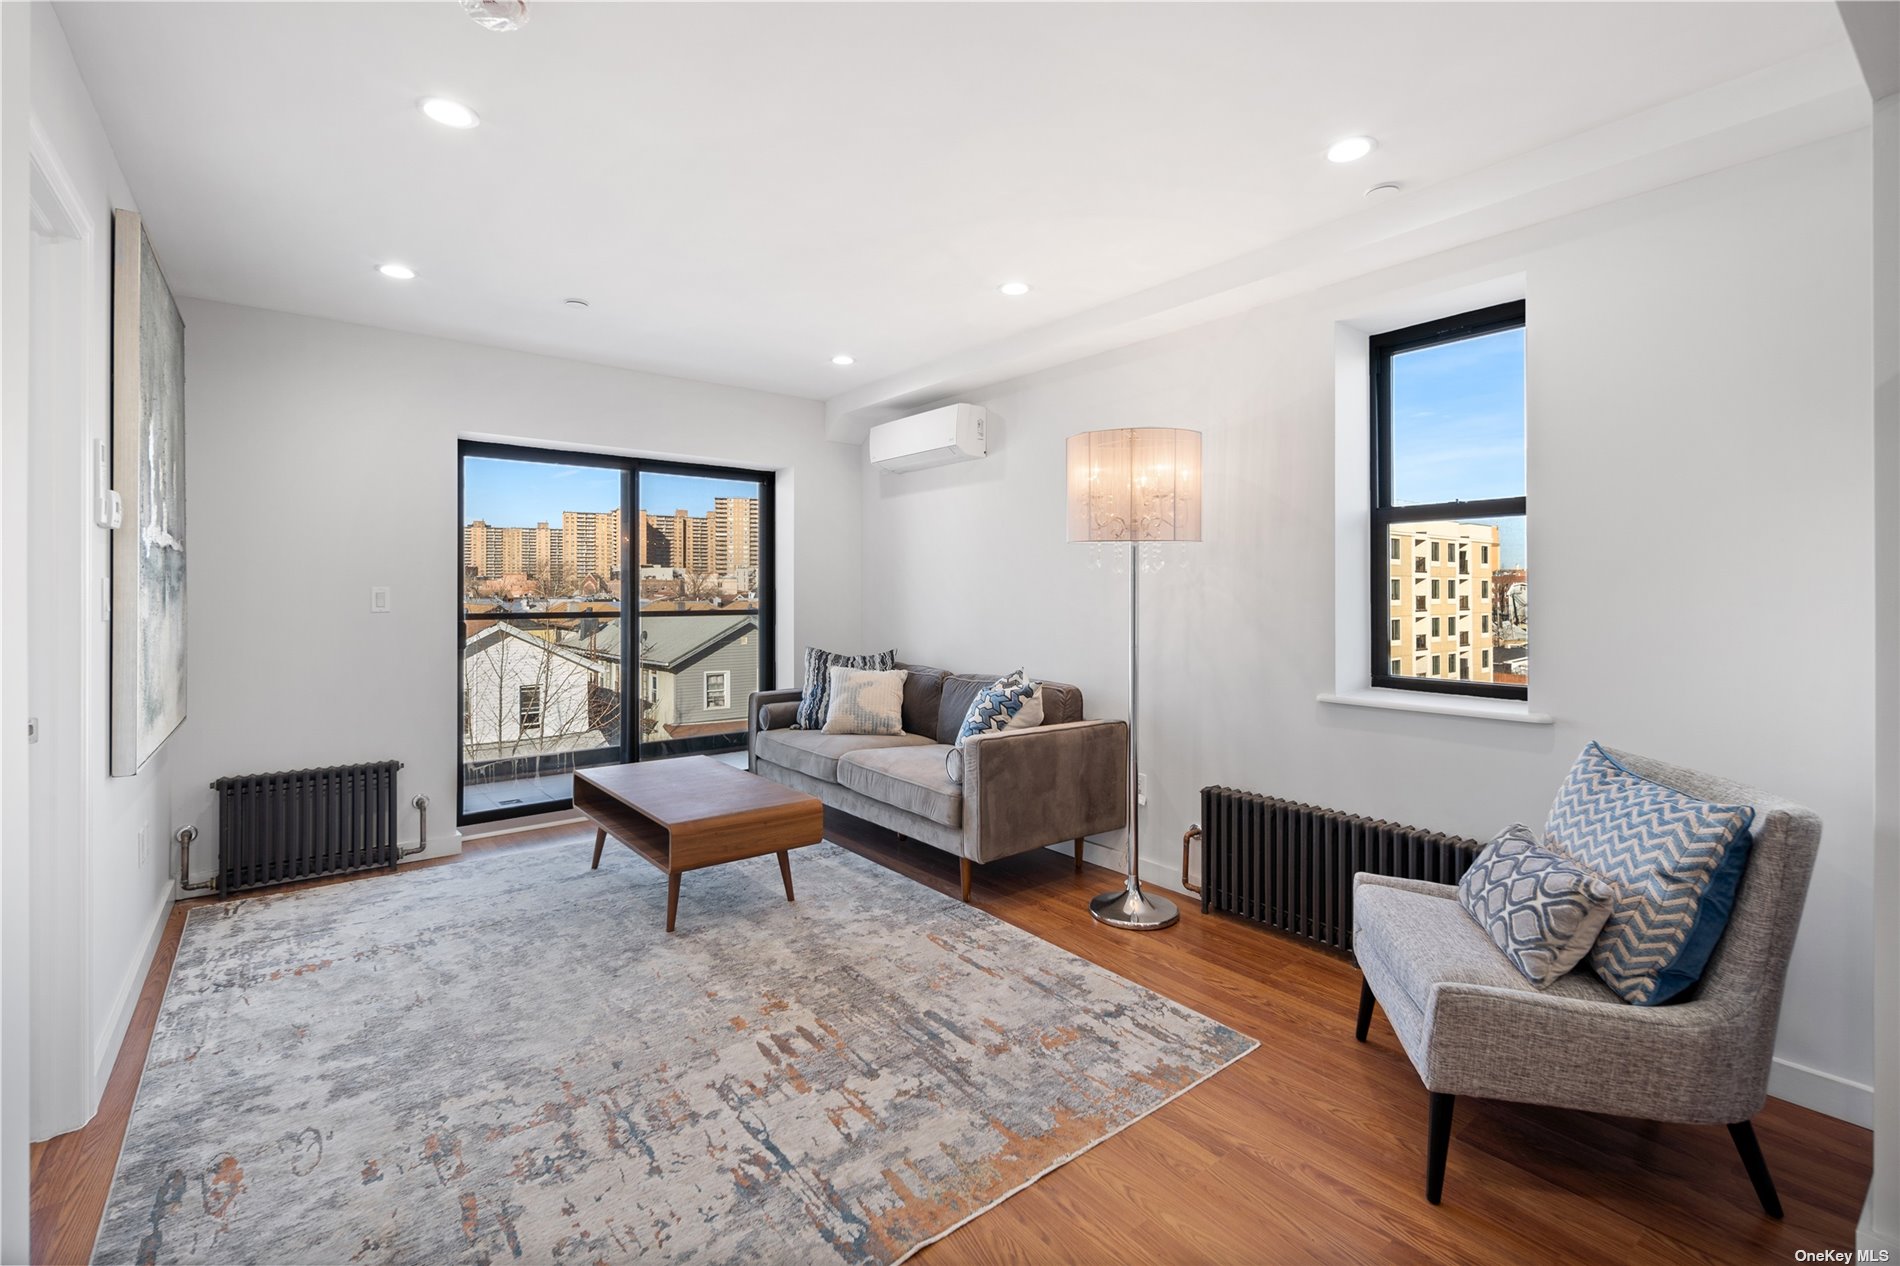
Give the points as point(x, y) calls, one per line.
point(1822, 1091)
point(105, 1050)
point(1870, 1239)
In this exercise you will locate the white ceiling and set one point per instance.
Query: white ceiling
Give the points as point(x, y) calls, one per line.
point(743, 190)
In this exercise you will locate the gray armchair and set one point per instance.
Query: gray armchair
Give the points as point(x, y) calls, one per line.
point(1472, 1025)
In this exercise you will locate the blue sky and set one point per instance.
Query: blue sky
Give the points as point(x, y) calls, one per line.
point(1458, 426)
point(522, 494)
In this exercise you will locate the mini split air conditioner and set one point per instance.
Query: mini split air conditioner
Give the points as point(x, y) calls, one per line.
point(954, 433)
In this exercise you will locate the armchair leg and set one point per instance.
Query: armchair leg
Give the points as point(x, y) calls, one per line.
point(1078, 854)
point(966, 866)
point(1743, 1132)
point(1365, 1009)
point(1438, 1145)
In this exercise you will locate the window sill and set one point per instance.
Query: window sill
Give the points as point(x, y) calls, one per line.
point(1441, 705)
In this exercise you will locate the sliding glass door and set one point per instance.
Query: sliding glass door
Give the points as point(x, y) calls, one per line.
point(610, 610)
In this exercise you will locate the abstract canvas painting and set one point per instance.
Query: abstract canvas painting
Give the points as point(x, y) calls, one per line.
point(148, 472)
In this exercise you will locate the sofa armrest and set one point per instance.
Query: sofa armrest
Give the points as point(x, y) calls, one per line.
point(767, 710)
point(1025, 789)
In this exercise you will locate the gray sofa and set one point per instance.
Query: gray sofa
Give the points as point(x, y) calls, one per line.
point(1022, 789)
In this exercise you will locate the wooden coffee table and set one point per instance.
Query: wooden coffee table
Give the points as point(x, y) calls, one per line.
point(692, 812)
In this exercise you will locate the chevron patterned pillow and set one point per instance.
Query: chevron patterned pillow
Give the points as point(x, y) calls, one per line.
point(1540, 909)
point(815, 704)
point(1672, 861)
point(1010, 703)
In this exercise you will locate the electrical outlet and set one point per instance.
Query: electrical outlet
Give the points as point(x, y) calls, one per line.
point(145, 846)
point(379, 600)
point(1141, 789)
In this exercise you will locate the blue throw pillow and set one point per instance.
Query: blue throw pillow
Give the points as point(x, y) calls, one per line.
point(1009, 703)
point(1673, 862)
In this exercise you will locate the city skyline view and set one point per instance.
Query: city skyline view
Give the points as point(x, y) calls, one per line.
point(509, 493)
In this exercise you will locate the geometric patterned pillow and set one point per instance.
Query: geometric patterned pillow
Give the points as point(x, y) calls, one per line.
point(816, 701)
point(1010, 703)
point(1673, 863)
point(1542, 911)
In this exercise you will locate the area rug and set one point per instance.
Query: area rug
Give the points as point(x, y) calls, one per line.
point(508, 1059)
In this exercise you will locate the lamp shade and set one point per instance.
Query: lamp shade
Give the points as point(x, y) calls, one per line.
point(1135, 484)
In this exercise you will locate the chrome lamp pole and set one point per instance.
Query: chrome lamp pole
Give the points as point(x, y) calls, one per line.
point(1135, 485)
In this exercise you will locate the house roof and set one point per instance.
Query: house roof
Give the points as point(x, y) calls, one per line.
point(492, 636)
point(671, 642)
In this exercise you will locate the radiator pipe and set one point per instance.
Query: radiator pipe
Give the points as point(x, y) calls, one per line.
point(422, 838)
point(185, 835)
point(1187, 843)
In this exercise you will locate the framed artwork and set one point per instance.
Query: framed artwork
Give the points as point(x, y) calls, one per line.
point(148, 471)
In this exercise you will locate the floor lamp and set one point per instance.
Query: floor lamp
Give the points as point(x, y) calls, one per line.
point(1130, 486)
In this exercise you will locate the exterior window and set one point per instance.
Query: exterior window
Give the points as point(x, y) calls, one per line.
point(1448, 472)
point(1395, 589)
point(1395, 630)
point(583, 580)
point(1434, 626)
point(1395, 668)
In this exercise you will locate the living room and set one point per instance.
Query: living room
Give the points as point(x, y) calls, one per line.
point(992, 555)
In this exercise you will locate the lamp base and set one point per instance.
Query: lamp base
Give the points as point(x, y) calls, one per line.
point(1135, 910)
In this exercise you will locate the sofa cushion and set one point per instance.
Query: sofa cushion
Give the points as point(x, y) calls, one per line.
point(1673, 861)
point(959, 692)
point(907, 778)
point(816, 701)
point(1424, 939)
point(815, 753)
point(865, 701)
point(1009, 703)
point(1061, 703)
point(923, 692)
point(1542, 910)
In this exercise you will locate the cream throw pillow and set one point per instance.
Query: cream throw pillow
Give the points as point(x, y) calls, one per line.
point(866, 701)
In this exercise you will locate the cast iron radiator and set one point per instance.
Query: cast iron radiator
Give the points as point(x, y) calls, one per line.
point(1290, 866)
point(273, 828)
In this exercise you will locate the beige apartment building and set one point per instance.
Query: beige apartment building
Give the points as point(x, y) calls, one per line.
point(1438, 600)
point(724, 541)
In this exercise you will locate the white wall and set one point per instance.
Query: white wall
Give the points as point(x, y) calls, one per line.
point(1700, 539)
point(107, 905)
point(321, 461)
point(15, 868)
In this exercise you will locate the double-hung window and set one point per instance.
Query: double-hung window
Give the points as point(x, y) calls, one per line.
point(1448, 499)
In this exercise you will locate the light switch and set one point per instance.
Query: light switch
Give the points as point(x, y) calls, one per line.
point(379, 600)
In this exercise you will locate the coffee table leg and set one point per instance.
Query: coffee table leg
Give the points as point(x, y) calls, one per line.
point(785, 871)
point(672, 898)
point(600, 840)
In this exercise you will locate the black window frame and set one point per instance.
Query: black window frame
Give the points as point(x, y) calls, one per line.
point(630, 469)
point(1381, 348)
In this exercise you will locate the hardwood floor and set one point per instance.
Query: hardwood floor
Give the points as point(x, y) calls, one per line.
point(1311, 1149)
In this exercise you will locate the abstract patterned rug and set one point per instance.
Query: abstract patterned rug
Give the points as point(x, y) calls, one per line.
point(508, 1059)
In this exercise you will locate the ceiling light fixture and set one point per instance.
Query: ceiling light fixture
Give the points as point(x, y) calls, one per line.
point(400, 272)
point(449, 113)
point(575, 303)
point(1014, 289)
point(842, 359)
point(1351, 149)
point(1384, 190)
point(498, 15)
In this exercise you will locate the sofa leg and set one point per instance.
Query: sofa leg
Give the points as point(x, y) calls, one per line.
point(1365, 1009)
point(1743, 1132)
point(1078, 854)
point(965, 865)
point(1438, 1144)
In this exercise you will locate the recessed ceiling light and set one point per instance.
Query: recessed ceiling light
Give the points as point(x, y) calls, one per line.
point(401, 272)
point(842, 359)
point(575, 303)
point(1384, 190)
point(1351, 149)
point(450, 113)
point(1014, 289)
